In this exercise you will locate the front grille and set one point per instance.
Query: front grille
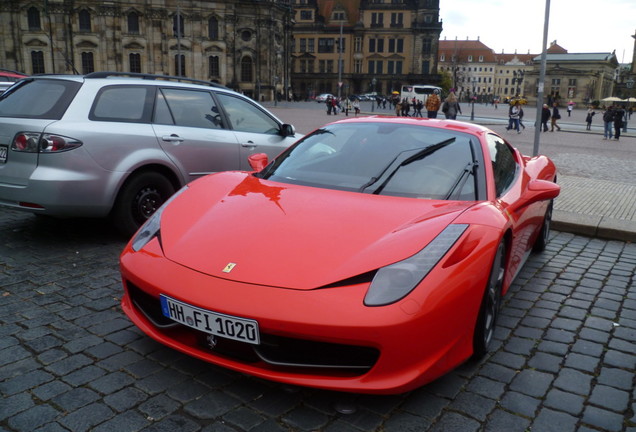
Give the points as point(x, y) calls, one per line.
point(274, 352)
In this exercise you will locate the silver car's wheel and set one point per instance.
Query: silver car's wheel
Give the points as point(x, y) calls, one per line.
point(489, 310)
point(140, 197)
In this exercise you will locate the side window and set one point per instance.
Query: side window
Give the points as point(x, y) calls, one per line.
point(504, 165)
point(247, 117)
point(122, 104)
point(191, 108)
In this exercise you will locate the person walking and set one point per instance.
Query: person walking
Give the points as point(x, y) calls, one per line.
point(588, 118)
point(618, 122)
point(570, 107)
point(451, 107)
point(608, 123)
point(555, 117)
point(433, 103)
point(513, 117)
point(356, 107)
point(545, 117)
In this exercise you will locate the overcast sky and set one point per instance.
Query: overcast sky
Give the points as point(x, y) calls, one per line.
point(579, 26)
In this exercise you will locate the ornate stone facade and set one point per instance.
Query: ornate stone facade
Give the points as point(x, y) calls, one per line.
point(384, 44)
point(241, 44)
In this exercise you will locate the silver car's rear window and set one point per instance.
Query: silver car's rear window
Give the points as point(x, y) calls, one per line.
point(40, 99)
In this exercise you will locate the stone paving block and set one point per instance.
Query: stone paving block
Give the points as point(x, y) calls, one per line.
point(86, 418)
point(617, 378)
point(453, 422)
point(532, 382)
point(473, 405)
point(582, 362)
point(520, 403)
point(306, 419)
point(566, 402)
point(126, 422)
point(158, 407)
point(125, 399)
point(603, 419)
point(33, 418)
point(12, 405)
point(545, 362)
point(211, 405)
point(243, 418)
point(501, 420)
point(549, 420)
point(609, 398)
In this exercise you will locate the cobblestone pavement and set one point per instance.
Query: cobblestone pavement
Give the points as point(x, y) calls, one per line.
point(564, 358)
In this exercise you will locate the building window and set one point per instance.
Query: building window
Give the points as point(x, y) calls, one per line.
point(377, 19)
point(442, 58)
point(88, 64)
point(84, 21)
point(338, 16)
point(33, 18)
point(357, 44)
point(213, 28)
point(397, 19)
point(376, 45)
point(375, 67)
point(134, 60)
point(246, 69)
point(470, 58)
point(325, 66)
point(37, 62)
point(428, 19)
point(427, 46)
point(133, 23)
point(178, 25)
point(396, 45)
point(426, 67)
point(326, 45)
point(306, 15)
point(179, 65)
point(357, 66)
point(213, 66)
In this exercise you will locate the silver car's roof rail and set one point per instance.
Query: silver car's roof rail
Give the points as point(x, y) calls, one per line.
point(152, 77)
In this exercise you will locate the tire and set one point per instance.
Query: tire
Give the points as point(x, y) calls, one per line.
point(138, 199)
point(544, 236)
point(489, 309)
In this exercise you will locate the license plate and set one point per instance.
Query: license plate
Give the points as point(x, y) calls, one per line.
point(230, 327)
point(4, 152)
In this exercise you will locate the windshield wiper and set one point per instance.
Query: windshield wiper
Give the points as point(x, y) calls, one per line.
point(461, 179)
point(402, 159)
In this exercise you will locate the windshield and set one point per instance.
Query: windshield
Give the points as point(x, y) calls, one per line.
point(385, 159)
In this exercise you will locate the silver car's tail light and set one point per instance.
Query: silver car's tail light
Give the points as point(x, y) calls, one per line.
point(33, 142)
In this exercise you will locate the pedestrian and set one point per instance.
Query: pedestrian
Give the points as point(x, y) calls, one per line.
point(570, 107)
point(433, 103)
point(608, 123)
point(521, 116)
point(588, 118)
point(356, 107)
point(329, 105)
point(347, 106)
point(451, 107)
point(513, 116)
point(618, 122)
point(555, 117)
point(545, 117)
point(398, 108)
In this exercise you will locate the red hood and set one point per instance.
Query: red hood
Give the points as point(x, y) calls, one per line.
point(294, 236)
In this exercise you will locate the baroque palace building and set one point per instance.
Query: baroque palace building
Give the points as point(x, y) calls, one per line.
point(260, 47)
point(364, 46)
point(241, 44)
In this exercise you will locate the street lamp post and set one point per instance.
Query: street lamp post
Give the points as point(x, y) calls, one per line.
point(373, 82)
point(472, 100)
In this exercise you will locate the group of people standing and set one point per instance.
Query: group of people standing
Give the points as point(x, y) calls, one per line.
point(613, 117)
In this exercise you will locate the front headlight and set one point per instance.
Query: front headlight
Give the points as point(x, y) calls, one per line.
point(151, 227)
point(394, 282)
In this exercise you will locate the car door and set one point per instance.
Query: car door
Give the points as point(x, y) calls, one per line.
point(255, 130)
point(192, 131)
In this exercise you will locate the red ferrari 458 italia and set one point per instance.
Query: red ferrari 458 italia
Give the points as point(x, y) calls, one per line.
point(370, 257)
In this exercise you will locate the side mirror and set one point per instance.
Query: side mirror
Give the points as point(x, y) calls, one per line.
point(538, 190)
point(258, 161)
point(287, 130)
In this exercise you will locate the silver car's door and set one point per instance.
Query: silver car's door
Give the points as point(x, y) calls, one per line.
point(256, 130)
point(191, 130)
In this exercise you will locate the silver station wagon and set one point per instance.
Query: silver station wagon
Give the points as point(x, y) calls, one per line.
point(119, 144)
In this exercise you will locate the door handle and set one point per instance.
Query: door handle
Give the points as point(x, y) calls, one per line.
point(172, 138)
point(249, 144)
